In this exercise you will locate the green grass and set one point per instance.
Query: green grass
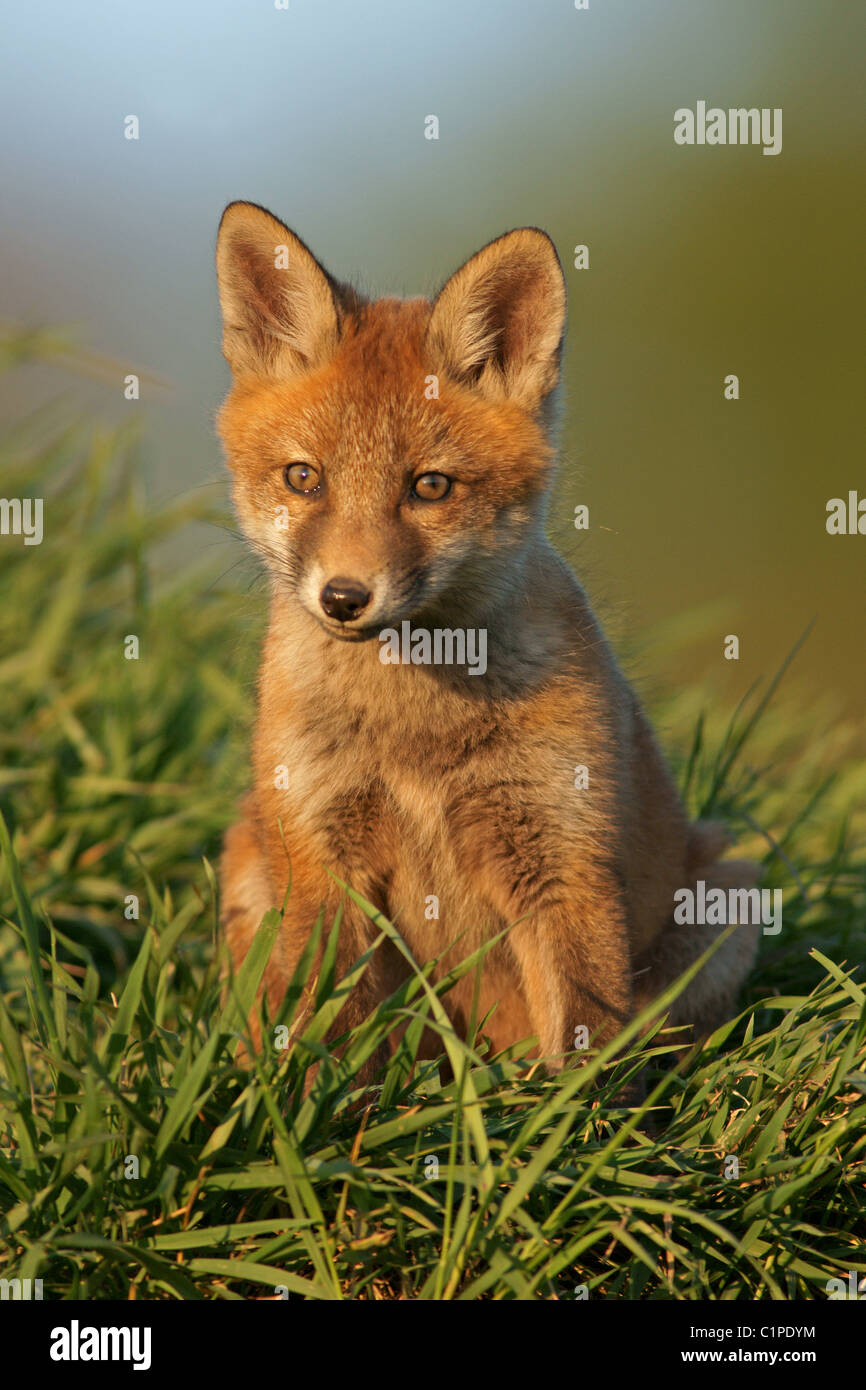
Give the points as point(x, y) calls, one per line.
point(138, 1159)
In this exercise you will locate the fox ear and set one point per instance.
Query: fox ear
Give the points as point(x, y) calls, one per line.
point(278, 306)
point(497, 324)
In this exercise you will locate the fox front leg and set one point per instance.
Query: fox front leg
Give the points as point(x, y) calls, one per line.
point(569, 945)
point(572, 953)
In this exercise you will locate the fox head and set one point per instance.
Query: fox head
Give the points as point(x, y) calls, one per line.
point(390, 459)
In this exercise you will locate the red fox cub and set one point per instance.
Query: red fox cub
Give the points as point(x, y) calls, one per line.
point(391, 464)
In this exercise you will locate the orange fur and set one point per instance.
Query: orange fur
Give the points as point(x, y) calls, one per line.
point(412, 781)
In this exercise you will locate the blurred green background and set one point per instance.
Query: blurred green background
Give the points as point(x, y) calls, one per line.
point(707, 516)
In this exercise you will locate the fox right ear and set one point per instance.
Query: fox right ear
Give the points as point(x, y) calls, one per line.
point(497, 324)
point(278, 307)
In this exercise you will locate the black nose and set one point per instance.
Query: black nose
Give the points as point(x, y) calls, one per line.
point(344, 599)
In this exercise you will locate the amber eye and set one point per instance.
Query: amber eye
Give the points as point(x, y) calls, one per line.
point(431, 487)
point(301, 477)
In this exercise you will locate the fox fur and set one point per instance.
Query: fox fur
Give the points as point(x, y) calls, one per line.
point(421, 782)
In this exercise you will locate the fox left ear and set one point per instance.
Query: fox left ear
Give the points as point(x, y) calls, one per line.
point(279, 305)
point(497, 324)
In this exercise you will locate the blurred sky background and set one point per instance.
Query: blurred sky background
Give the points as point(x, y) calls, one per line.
point(703, 261)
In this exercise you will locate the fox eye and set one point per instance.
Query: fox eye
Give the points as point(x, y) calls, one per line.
point(431, 487)
point(301, 477)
